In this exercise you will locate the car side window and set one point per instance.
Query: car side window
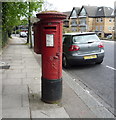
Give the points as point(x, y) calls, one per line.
point(63, 39)
point(66, 40)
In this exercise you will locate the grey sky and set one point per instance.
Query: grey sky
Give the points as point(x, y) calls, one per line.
point(67, 5)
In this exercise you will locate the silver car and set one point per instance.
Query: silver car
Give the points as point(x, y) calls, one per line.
point(80, 48)
point(23, 34)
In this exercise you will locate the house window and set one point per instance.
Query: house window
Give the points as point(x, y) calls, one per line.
point(74, 29)
point(109, 28)
point(74, 22)
point(97, 20)
point(100, 9)
point(83, 29)
point(82, 21)
point(110, 20)
point(96, 28)
point(100, 20)
point(101, 28)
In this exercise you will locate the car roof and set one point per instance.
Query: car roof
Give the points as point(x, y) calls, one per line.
point(80, 33)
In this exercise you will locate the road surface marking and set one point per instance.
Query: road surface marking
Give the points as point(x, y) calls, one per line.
point(110, 67)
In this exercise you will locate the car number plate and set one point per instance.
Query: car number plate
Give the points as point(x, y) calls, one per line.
point(90, 57)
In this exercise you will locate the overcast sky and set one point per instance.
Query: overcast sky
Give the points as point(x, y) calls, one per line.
point(67, 5)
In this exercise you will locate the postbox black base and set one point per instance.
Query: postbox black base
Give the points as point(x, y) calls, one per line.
point(51, 90)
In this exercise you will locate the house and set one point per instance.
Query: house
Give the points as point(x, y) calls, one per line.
point(86, 18)
point(92, 18)
point(104, 21)
point(66, 21)
point(73, 19)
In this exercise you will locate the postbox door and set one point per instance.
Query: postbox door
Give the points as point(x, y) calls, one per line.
point(51, 52)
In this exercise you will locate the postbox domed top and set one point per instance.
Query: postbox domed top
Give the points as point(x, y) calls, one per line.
point(51, 15)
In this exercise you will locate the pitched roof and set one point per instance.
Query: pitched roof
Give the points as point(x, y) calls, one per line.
point(104, 12)
point(67, 13)
point(115, 5)
point(90, 10)
point(94, 11)
point(77, 9)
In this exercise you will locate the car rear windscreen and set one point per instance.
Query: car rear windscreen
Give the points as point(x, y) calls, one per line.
point(85, 38)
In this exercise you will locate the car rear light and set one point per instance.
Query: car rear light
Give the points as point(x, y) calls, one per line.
point(101, 45)
point(74, 48)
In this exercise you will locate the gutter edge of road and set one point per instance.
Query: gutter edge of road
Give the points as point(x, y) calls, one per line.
point(92, 102)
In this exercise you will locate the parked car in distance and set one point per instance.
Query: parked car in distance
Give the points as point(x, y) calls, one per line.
point(109, 37)
point(23, 34)
point(81, 48)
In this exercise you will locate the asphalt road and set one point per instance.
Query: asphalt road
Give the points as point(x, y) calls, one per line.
point(99, 78)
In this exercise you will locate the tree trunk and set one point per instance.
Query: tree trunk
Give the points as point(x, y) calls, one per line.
point(29, 37)
point(28, 31)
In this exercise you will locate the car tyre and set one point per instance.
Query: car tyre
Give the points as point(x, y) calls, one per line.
point(99, 62)
point(65, 62)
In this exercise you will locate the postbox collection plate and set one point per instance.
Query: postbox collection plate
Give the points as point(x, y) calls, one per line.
point(49, 40)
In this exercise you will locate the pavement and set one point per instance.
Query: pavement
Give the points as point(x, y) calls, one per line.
point(21, 89)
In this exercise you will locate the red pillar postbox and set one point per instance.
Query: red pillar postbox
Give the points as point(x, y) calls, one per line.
point(51, 39)
point(37, 37)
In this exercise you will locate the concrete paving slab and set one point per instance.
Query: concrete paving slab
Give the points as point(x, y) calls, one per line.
point(34, 88)
point(15, 89)
point(0, 89)
point(16, 113)
point(0, 105)
point(10, 71)
point(0, 82)
point(14, 101)
point(31, 64)
point(31, 80)
point(13, 81)
point(31, 67)
point(16, 63)
point(40, 109)
point(31, 70)
point(11, 101)
point(28, 56)
point(34, 74)
point(4, 76)
point(29, 59)
point(51, 113)
point(17, 67)
point(16, 75)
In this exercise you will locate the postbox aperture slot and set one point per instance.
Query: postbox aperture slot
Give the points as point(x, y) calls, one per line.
point(50, 27)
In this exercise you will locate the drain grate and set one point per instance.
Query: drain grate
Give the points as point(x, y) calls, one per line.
point(4, 65)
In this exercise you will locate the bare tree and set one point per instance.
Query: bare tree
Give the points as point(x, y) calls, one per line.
point(48, 6)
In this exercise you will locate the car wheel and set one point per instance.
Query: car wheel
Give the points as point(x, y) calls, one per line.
point(99, 62)
point(65, 62)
